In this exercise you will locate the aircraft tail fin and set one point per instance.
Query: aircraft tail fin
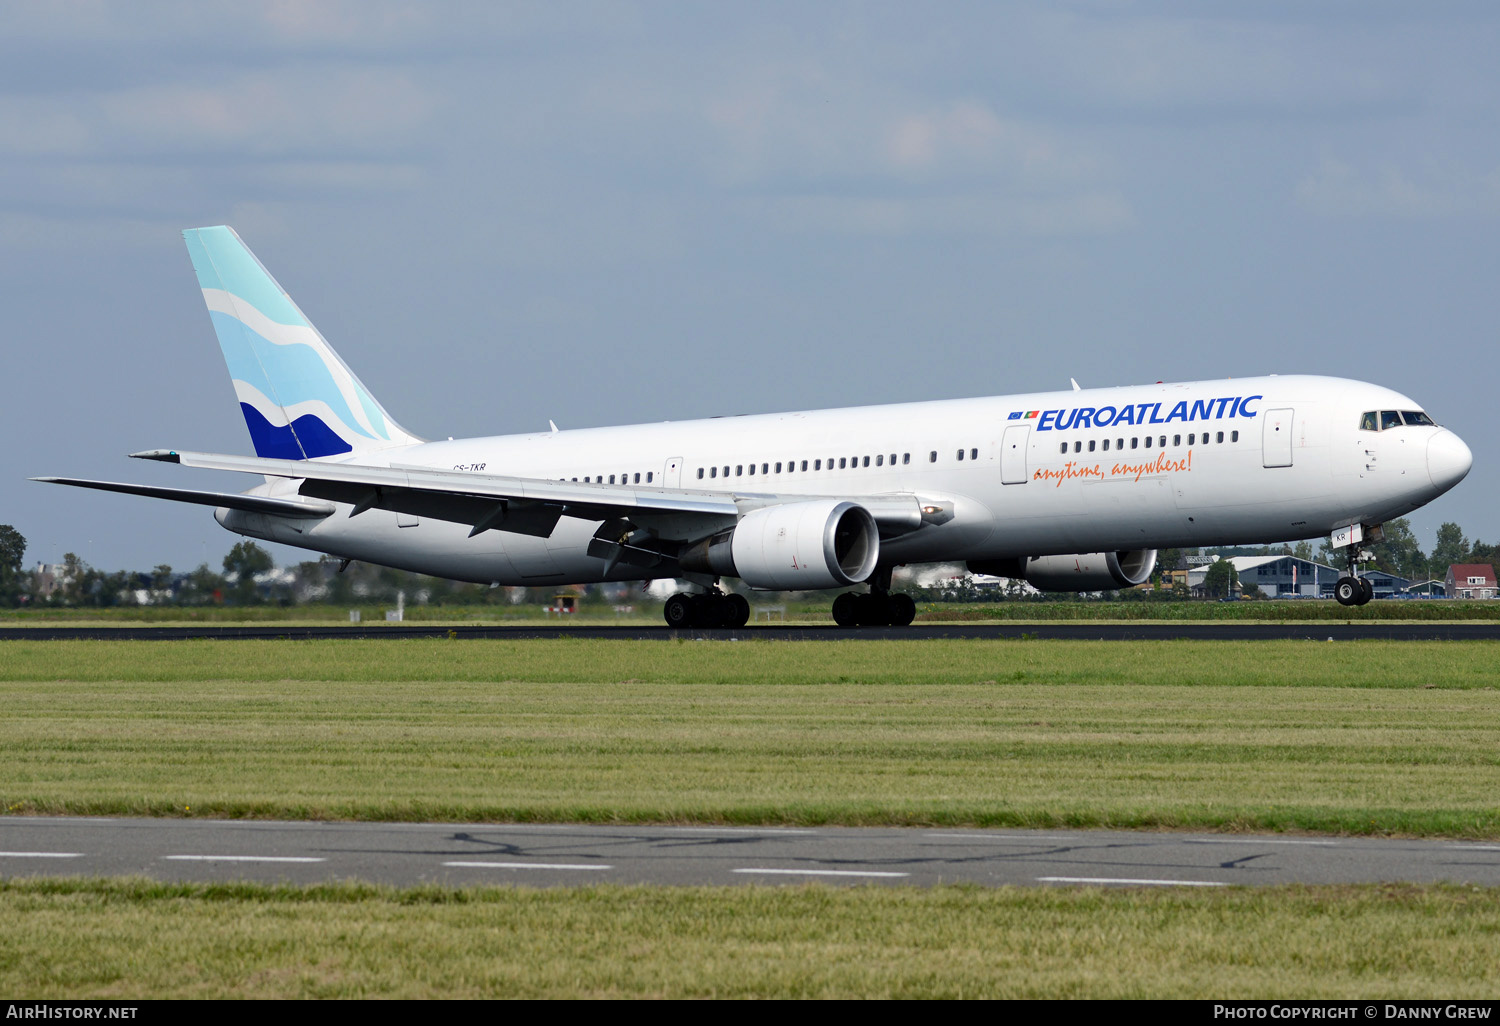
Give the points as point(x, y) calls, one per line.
point(299, 399)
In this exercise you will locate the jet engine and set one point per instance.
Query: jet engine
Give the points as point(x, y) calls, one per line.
point(822, 543)
point(1089, 571)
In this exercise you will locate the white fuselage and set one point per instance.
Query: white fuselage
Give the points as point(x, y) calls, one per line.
point(1208, 463)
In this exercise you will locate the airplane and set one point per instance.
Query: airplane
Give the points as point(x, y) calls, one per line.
point(1069, 491)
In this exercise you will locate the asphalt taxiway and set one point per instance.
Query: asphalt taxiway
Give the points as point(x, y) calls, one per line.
point(405, 854)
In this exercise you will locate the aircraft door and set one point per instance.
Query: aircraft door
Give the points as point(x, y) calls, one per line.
point(671, 474)
point(1276, 438)
point(1013, 454)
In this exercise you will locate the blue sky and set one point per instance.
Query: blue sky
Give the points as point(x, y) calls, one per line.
point(501, 213)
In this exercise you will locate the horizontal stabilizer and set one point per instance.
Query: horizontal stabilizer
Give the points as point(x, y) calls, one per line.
point(229, 500)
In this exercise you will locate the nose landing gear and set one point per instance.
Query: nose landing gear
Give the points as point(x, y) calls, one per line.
point(1352, 589)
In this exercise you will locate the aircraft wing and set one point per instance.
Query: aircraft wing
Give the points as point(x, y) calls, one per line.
point(522, 505)
point(230, 500)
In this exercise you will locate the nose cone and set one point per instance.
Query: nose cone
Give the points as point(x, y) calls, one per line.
point(1448, 459)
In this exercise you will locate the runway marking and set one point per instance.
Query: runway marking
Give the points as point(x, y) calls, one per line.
point(1009, 838)
point(822, 872)
point(1115, 880)
point(241, 858)
point(523, 865)
point(735, 830)
point(1252, 840)
point(41, 854)
point(1475, 847)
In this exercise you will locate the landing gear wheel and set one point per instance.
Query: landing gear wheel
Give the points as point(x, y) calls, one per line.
point(708, 610)
point(903, 610)
point(737, 610)
point(679, 611)
point(1366, 590)
point(1348, 591)
point(846, 610)
point(874, 610)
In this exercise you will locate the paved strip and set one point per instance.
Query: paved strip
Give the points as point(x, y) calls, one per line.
point(1130, 883)
point(1313, 630)
point(524, 865)
point(466, 854)
point(41, 854)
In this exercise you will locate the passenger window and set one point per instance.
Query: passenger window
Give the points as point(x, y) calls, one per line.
point(637, 479)
point(880, 459)
point(739, 469)
point(1135, 443)
point(1389, 419)
point(752, 470)
point(960, 455)
point(1163, 443)
point(817, 464)
point(1219, 439)
point(1064, 448)
point(713, 471)
point(932, 456)
point(1176, 439)
point(648, 477)
point(867, 461)
point(1192, 439)
point(843, 462)
point(1234, 436)
point(726, 470)
point(1106, 445)
point(1119, 443)
point(1091, 445)
point(893, 459)
point(765, 468)
point(1078, 447)
point(804, 466)
point(778, 466)
point(973, 454)
point(1367, 422)
point(611, 479)
point(905, 458)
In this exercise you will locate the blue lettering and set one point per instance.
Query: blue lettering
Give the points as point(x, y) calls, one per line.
point(1245, 410)
point(1084, 417)
point(1179, 412)
point(1127, 415)
point(1220, 403)
point(1201, 408)
point(1047, 415)
point(1060, 426)
point(1100, 420)
point(1155, 409)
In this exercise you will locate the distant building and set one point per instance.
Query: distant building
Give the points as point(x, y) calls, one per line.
point(1471, 581)
point(1428, 589)
point(1293, 577)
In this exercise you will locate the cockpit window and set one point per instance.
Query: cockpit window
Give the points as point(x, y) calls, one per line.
point(1368, 422)
point(1418, 418)
point(1389, 419)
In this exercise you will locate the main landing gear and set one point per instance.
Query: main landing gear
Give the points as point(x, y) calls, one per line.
point(877, 609)
point(710, 609)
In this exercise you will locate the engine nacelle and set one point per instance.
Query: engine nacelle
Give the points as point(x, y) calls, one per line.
point(823, 543)
point(1089, 571)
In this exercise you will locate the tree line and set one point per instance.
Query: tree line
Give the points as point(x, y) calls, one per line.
point(248, 575)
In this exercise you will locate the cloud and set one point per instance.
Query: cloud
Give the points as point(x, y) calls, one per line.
point(1337, 189)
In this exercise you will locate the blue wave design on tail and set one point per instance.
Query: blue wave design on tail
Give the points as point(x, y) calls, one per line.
point(306, 437)
point(299, 399)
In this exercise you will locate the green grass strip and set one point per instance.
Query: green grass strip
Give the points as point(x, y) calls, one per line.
point(1359, 738)
point(123, 939)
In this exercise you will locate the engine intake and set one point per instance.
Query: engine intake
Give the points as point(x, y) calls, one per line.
point(1089, 571)
point(822, 543)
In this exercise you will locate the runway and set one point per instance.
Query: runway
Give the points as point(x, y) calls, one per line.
point(1310, 630)
point(540, 855)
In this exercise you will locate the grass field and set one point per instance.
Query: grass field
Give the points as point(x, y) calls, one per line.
point(1368, 737)
point(1364, 738)
point(138, 939)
